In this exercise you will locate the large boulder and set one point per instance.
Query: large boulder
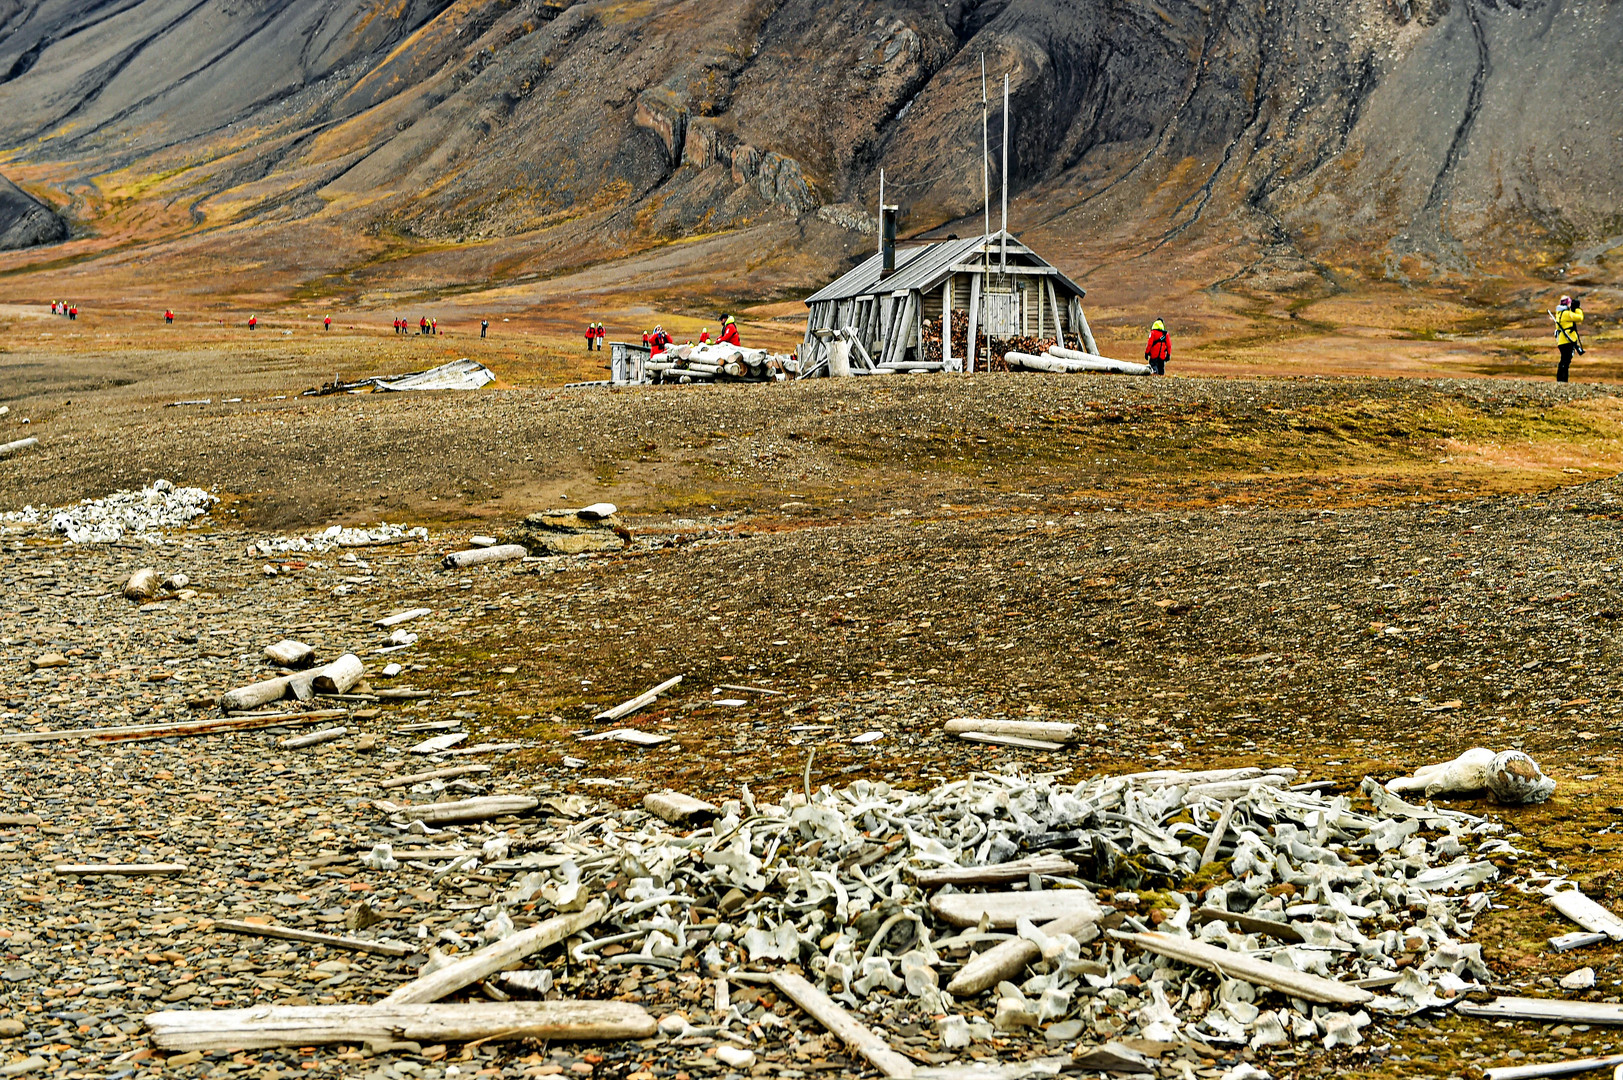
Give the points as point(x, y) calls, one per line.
point(25, 221)
point(570, 532)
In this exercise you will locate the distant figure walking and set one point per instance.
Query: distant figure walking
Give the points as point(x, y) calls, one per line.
point(422, 326)
point(600, 334)
point(73, 311)
point(591, 335)
point(484, 327)
point(326, 324)
point(433, 326)
point(1158, 349)
point(729, 332)
point(1568, 316)
point(169, 317)
point(253, 322)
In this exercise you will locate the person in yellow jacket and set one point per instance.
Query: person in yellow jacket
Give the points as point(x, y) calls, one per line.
point(1568, 317)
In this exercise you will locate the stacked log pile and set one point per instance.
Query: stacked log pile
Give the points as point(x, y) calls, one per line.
point(715, 363)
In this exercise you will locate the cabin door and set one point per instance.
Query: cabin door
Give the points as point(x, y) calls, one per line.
point(1002, 314)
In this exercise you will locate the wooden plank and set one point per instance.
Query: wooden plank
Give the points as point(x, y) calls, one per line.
point(311, 937)
point(1047, 730)
point(1553, 1068)
point(494, 957)
point(1251, 924)
point(826, 1011)
point(403, 616)
point(463, 810)
point(1554, 1009)
point(642, 700)
point(997, 874)
point(974, 317)
point(434, 774)
point(1586, 913)
point(120, 869)
point(946, 324)
point(313, 1025)
point(1088, 343)
point(438, 743)
point(1248, 968)
point(1007, 908)
point(1010, 740)
point(1007, 959)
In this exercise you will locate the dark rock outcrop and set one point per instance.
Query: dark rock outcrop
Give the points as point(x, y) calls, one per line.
point(25, 221)
point(1301, 138)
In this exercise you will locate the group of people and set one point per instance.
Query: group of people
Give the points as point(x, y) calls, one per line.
point(594, 336)
point(658, 340)
point(62, 307)
point(425, 326)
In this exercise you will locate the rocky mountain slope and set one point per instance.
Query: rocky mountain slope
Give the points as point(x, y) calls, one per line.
point(25, 221)
point(1273, 145)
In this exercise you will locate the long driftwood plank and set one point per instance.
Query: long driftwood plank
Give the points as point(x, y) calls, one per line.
point(311, 937)
point(1248, 968)
point(1554, 1009)
point(826, 1011)
point(434, 774)
point(313, 1025)
point(464, 810)
point(495, 956)
point(1006, 909)
point(1007, 959)
point(995, 874)
point(626, 708)
point(1552, 1068)
point(120, 869)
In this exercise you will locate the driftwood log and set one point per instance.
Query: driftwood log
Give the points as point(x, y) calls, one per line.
point(314, 1025)
point(494, 957)
point(1007, 959)
point(1249, 969)
point(312, 937)
point(456, 560)
point(1047, 730)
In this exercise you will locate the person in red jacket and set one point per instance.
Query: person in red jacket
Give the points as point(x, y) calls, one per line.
point(729, 332)
point(591, 335)
point(1158, 349)
point(253, 322)
point(704, 336)
point(326, 324)
point(168, 317)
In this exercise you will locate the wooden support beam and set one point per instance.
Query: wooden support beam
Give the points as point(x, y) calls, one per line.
point(974, 319)
point(1053, 303)
point(313, 1025)
point(946, 325)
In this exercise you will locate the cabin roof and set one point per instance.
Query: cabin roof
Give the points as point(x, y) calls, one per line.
point(924, 267)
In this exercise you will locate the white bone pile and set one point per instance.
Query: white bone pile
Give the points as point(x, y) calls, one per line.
point(337, 536)
point(143, 515)
point(1381, 888)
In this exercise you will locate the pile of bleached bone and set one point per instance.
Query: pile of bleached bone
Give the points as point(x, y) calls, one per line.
point(857, 886)
point(143, 514)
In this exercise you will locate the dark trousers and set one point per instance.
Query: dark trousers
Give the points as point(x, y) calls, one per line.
point(1567, 349)
point(1158, 367)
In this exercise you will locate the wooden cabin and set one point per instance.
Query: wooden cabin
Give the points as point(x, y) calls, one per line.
point(894, 302)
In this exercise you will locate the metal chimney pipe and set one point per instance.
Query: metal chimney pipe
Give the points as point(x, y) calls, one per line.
point(887, 241)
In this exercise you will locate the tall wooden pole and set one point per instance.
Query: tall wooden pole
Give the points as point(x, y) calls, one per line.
point(1003, 261)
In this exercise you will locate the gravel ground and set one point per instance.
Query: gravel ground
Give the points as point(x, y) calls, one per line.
point(1339, 638)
